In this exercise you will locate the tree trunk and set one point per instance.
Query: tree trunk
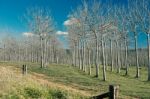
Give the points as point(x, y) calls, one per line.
point(19, 54)
point(75, 56)
point(118, 58)
point(99, 54)
point(96, 59)
point(44, 52)
point(84, 67)
point(126, 57)
point(41, 43)
point(4, 53)
point(103, 54)
point(120, 51)
point(79, 61)
point(26, 53)
point(111, 52)
point(89, 61)
point(31, 53)
point(83, 56)
point(148, 41)
point(137, 59)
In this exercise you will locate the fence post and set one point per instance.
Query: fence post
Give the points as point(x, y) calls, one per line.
point(113, 91)
point(24, 69)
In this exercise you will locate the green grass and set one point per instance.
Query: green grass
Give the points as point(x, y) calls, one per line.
point(14, 85)
point(72, 76)
point(129, 85)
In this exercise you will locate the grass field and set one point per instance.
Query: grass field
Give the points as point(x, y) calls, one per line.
point(72, 82)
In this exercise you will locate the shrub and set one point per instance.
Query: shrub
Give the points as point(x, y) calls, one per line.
point(57, 94)
point(10, 96)
point(33, 93)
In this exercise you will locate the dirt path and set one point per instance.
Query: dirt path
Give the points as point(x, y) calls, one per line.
point(72, 89)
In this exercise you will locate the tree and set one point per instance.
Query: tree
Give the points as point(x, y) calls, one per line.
point(144, 12)
point(134, 20)
point(41, 24)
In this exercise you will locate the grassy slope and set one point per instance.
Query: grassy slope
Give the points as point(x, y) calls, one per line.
point(14, 85)
point(72, 77)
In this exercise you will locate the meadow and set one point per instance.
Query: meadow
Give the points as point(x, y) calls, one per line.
point(58, 81)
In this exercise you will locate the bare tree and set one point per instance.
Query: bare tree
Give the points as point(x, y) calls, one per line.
point(134, 21)
point(144, 12)
point(41, 24)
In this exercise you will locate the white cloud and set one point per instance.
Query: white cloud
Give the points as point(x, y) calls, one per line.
point(61, 33)
point(67, 22)
point(70, 21)
point(28, 34)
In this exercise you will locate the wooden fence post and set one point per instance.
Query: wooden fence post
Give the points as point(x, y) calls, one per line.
point(113, 92)
point(24, 69)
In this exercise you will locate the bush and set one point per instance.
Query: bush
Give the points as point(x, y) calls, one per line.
point(33, 93)
point(10, 96)
point(56, 94)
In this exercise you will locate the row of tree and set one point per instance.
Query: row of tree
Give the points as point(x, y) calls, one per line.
point(99, 34)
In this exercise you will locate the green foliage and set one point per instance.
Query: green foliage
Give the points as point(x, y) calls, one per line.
point(57, 94)
point(11, 96)
point(33, 93)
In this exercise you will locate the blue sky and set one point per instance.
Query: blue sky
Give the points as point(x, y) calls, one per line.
point(12, 11)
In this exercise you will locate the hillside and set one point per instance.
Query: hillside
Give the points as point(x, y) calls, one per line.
point(69, 81)
point(14, 85)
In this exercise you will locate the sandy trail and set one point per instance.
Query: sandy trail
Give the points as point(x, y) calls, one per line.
point(68, 88)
